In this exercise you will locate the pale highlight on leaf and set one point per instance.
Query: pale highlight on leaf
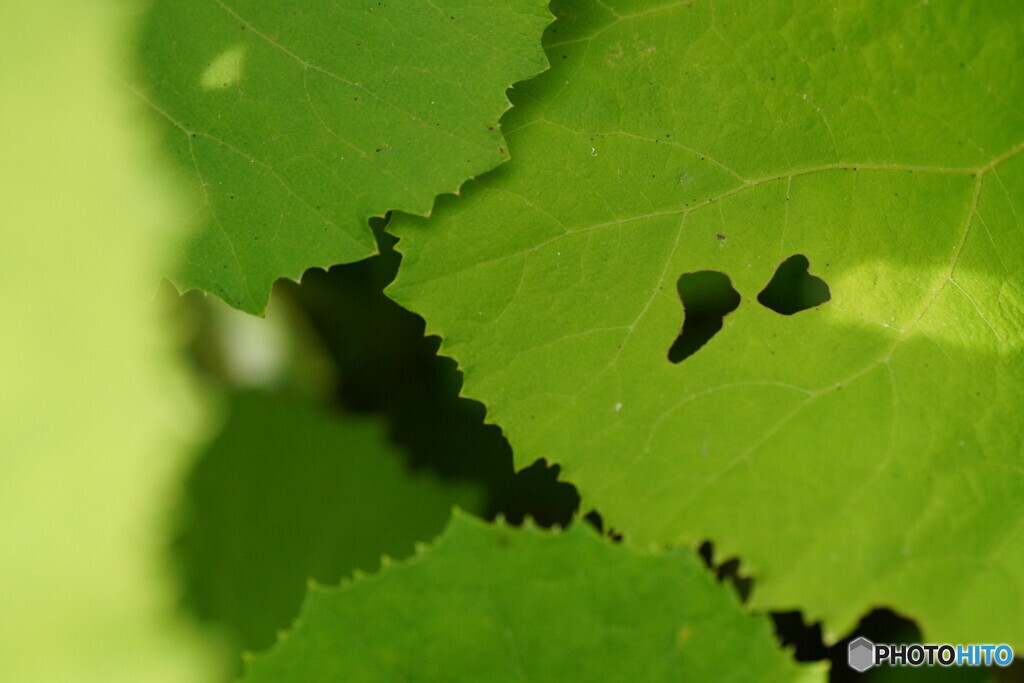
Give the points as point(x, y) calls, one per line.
point(225, 69)
point(861, 451)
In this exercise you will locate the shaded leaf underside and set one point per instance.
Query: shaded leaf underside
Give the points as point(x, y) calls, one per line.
point(864, 452)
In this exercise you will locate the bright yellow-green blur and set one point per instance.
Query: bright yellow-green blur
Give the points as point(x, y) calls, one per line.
point(94, 416)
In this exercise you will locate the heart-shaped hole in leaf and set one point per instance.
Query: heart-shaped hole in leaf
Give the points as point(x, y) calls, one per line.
point(708, 296)
point(792, 289)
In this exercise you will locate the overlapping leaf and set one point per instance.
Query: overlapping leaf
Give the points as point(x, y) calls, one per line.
point(499, 604)
point(864, 452)
point(297, 123)
point(286, 493)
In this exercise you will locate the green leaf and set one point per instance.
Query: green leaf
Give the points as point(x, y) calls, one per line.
point(867, 451)
point(287, 492)
point(500, 604)
point(297, 124)
point(94, 414)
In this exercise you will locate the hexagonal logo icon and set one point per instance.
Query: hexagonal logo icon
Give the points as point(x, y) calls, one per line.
point(861, 655)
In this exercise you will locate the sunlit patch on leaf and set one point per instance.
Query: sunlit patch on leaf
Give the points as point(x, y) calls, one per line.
point(225, 69)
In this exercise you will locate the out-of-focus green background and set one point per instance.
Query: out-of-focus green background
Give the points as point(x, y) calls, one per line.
point(96, 415)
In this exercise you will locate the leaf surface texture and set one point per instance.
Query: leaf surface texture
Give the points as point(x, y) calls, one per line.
point(872, 441)
point(297, 123)
point(495, 603)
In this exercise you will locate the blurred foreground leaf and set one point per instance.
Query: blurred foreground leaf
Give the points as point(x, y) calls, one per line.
point(287, 492)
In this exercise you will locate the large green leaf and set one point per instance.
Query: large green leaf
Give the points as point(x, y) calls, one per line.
point(493, 603)
point(864, 452)
point(93, 416)
point(287, 492)
point(297, 123)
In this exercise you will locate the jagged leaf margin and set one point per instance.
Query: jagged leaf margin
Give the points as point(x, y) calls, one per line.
point(495, 603)
point(297, 123)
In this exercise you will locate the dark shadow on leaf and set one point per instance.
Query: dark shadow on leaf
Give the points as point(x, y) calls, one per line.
point(385, 365)
point(595, 520)
point(264, 508)
point(726, 570)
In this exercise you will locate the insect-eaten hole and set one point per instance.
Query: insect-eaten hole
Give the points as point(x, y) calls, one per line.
point(708, 296)
point(792, 289)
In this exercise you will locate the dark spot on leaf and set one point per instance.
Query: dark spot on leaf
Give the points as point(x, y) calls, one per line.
point(595, 520)
point(501, 150)
point(719, 236)
point(726, 571)
point(707, 296)
point(792, 289)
